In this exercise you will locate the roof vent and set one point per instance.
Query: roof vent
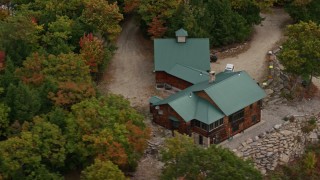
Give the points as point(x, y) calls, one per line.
point(181, 35)
point(190, 95)
point(212, 76)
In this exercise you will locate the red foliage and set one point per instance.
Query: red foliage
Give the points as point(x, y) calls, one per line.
point(92, 51)
point(157, 28)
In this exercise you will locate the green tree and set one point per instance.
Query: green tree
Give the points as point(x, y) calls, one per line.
point(102, 170)
point(185, 160)
point(56, 40)
point(19, 36)
point(34, 154)
point(304, 10)
point(4, 120)
point(8, 77)
point(23, 102)
point(300, 55)
point(103, 17)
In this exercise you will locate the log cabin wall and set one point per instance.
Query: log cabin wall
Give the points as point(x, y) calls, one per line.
point(163, 120)
point(165, 78)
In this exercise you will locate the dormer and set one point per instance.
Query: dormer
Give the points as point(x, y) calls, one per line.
point(181, 35)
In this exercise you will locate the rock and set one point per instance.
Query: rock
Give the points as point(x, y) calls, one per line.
point(244, 144)
point(313, 135)
point(263, 171)
point(285, 132)
point(256, 138)
point(269, 91)
point(284, 158)
point(277, 126)
point(249, 141)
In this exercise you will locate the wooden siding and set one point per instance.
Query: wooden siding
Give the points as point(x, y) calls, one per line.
point(217, 135)
point(165, 78)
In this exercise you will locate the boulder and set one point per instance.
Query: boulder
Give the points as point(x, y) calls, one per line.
point(285, 132)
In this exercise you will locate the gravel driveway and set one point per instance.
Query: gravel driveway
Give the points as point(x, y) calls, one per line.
point(265, 38)
point(130, 70)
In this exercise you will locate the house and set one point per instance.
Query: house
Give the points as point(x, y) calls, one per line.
point(213, 110)
point(209, 107)
point(181, 62)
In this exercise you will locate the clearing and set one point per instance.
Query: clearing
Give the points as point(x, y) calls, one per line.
point(130, 74)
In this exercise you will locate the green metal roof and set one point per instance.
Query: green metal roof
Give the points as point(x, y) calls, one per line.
point(231, 91)
point(181, 32)
point(194, 53)
point(154, 99)
point(235, 92)
point(189, 74)
point(207, 113)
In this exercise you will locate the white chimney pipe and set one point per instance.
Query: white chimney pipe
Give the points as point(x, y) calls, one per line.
point(212, 76)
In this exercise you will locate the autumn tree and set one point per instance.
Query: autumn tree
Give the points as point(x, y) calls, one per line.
point(103, 17)
point(300, 54)
point(92, 51)
point(71, 75)
point(106, 128)
point(101, 170)
point(156, 13)
point(185, 160)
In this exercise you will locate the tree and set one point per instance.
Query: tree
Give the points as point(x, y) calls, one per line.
point(4, 120)
point(103, 17)
point(185, 160)
point(23, 102)
point(31, 72)
point(38, 150)
point(56, 40)
point(102, 170)
point(304, 10)
point(92, 51)
point(300, 55)
point(108, 129)
point(19, 37)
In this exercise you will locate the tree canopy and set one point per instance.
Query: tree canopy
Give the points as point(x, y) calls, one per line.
point(184, 159)
point(300, 55)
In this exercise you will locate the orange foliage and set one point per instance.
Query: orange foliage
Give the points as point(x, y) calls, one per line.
point(131, 5)
point(92, 51)
point(70, 93)
point(156, 28)
point(31, 72)
point(137, 136)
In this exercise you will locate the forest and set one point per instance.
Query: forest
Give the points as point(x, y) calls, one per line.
point(54, 121)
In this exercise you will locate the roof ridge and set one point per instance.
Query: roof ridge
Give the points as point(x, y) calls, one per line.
point(228, 78)
point(192, 68)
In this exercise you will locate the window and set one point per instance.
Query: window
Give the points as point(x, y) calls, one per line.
point(254, 119)
point(260, 103)
point(197, 123)
point(160, 112)
point(216, 124)
point(237, 116)
point(204, 126)
point(200, 139)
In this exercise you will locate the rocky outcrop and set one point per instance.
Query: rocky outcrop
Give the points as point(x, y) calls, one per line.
point(281, 144)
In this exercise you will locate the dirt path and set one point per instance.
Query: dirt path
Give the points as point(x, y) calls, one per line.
point(130, 71)
point(266, 36)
